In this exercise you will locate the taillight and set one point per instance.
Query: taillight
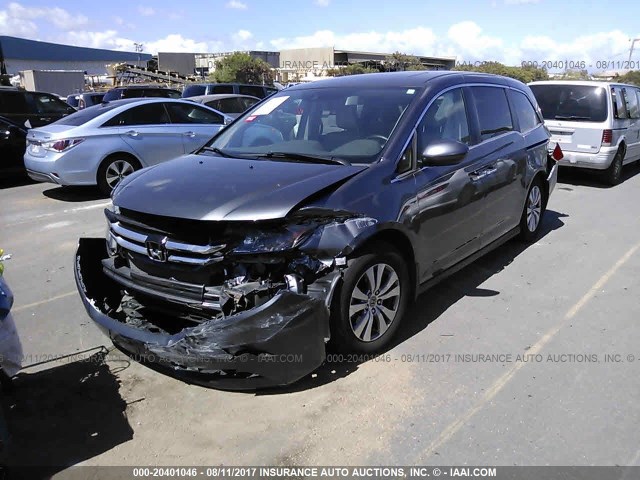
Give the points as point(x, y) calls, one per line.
point(62, 145)
point(607, 137)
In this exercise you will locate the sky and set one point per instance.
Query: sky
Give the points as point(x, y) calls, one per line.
point(508, 31)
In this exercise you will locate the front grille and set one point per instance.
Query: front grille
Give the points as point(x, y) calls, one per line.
point(163, 248)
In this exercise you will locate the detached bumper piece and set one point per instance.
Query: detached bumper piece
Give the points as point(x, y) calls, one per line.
point(271, 345)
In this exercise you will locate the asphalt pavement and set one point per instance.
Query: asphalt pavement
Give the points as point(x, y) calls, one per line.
point(530, 356)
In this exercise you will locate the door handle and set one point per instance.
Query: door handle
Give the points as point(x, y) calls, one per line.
point(132, 133)
point(190, 134)
point(45, 119)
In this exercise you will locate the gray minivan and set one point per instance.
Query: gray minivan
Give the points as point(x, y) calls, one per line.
point(597, 124)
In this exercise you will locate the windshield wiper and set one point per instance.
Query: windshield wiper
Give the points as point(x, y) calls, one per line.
point(571, 117)
point(218, 151)
point(305, 158)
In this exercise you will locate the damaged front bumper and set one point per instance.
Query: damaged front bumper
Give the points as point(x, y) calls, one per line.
point(274, 344)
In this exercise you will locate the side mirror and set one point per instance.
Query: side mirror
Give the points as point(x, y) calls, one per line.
point(444, 152)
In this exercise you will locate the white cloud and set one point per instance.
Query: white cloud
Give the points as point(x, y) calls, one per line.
point(467, 41)
point(176, 43)
point(243, 35)
point(322, 3)
point(146, 11)
point(237, 4)
point(19, 20)
point(520, 2)
point(416, 40)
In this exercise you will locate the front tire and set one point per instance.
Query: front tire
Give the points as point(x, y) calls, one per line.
point(534, 209)
point(368, 309)
point(114, 169)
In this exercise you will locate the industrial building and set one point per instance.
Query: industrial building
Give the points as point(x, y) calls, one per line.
point(20, 54)
point(308, 63)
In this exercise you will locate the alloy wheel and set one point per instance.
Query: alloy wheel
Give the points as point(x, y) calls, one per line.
point(116, 171)
point(534, 208)
point(374, 302)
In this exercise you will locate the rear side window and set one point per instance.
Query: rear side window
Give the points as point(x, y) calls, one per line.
point(524, 110)
point(253, 90)
point(181, 113)
point(631, 102)
point(194, 91)
point(227, 105)
point(619, 108)
point(46, 104)
point(147, 114)
point(115, 94)
point(493, 111)
point(248, 102)
point(215, 89)
point(580, 103)
point(73, 100)
point(13, 102)
point(134, 93)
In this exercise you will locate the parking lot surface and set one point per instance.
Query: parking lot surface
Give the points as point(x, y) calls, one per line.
point(527, 357)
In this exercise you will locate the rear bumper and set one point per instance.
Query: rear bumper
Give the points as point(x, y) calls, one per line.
point(597, 161)
point(552, 178)
point(271, 345)
point(42, 177)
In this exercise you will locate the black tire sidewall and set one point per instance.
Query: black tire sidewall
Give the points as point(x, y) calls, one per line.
point(612, 178)
point(342, 337)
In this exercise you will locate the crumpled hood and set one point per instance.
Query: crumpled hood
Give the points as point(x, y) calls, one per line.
point(202, 187)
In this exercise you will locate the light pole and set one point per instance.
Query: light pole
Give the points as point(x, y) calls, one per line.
point(139, 47)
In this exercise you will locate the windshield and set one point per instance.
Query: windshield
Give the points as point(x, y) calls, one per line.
point(583, 103)
point(351, 124)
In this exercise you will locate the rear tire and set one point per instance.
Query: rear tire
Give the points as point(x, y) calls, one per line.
point(613, 174)
point(114, 169)
point(367, 310)
point(533, 211)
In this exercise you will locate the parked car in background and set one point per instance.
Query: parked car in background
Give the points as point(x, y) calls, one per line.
point(84, 100)
point(597, 124)
point(103, 144)
point(32, 109)
point(229, 104)
point(140, 91)
point(12, 145)
point(198, 89)
point(320, 213)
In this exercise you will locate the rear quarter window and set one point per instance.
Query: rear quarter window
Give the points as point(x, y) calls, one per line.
point(194, 91)
point(525, 112)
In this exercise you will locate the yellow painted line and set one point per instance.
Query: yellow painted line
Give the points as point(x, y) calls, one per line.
point(42, 302)
point(499, 384)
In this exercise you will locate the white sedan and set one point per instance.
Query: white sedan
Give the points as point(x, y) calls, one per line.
point(101, 145)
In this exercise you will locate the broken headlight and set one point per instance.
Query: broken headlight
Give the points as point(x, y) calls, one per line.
point(280, 240)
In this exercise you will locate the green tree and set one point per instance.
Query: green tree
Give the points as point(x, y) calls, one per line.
point(352, 69)
point(241, 67)
point(632, 77)
point(398, 61)
point(576, 75)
